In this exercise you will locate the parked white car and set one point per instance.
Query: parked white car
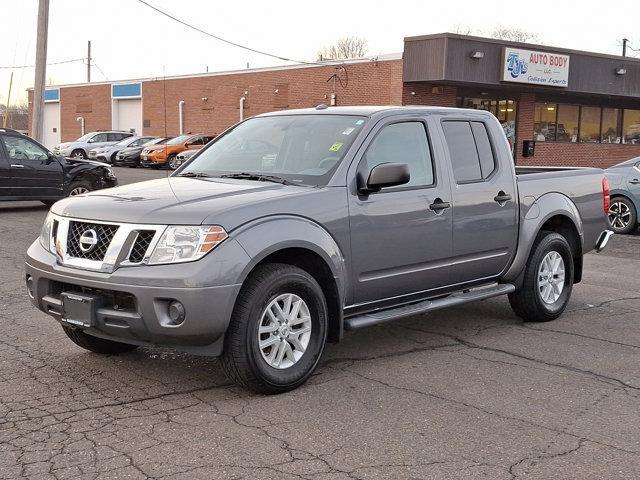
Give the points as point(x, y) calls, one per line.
point(80, 147)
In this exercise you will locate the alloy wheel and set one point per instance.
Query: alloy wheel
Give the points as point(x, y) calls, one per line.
point(284, 331)
point(619, 215)
point(78, 191)
point(551, 277)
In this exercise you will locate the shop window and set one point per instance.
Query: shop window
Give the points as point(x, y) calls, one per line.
point(544, 123)
point(611, 125)
point(567, 123)
point(631, 127)
point(590, 124)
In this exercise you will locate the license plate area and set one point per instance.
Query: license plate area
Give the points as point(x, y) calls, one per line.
point(79, 309)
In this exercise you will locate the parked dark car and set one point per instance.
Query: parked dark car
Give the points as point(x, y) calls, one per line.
point(294, 226)
point(28, 171)
point(624, 179)
point(130, 156)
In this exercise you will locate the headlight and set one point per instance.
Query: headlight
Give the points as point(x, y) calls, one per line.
point(46, 235)
point(110, 172)
point(186, 243)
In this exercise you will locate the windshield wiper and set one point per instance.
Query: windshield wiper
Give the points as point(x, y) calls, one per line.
point(194, 174)
point(256, 176)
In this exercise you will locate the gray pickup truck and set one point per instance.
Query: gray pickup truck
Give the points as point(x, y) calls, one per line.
point(296, 225)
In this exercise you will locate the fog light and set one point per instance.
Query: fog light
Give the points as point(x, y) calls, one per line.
point(30, 286)
point(176, 312)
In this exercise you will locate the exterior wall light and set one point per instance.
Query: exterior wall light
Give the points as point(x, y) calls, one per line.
point(477, 55)
point(621, 71)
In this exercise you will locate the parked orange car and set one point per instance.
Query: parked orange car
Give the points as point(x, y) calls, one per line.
point(157, 156)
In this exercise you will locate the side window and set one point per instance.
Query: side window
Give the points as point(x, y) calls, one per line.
point(19, 148)
point(196, 141)
point(487, 160)
point(100, 137)
point(462, 150)
point(113, 137)
point(403, 143)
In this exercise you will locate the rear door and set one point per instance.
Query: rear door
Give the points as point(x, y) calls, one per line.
point(34, 173)
point(484, 197)
point(399, 246)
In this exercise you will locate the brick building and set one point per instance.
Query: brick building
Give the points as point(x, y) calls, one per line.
point(557, 106)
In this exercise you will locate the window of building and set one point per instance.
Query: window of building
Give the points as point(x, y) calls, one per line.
point(544, 122)
point(590, 124)
point(631, 127)
point(567, 123)
point(504, 110)
point(611, 125)
point(405, 143)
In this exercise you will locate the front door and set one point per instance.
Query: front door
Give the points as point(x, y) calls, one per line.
point(484, 197)
point(399, 246)
point(34, 172)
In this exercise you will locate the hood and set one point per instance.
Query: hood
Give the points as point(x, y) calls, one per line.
point(129, 150)
point(78, 161)
point(175, 200)
point(154, 148)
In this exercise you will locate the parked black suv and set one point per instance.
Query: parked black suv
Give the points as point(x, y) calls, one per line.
point(28, 171)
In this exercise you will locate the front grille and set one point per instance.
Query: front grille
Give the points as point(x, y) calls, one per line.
point(141, 245)
point(104, 234)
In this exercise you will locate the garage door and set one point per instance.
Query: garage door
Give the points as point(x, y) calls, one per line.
point(51, 125)
point(128, 115)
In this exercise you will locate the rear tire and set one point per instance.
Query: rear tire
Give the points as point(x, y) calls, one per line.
point(171, 162)
point(95, 344)
point(622, 215)
point(545, 292)
point(248, 358)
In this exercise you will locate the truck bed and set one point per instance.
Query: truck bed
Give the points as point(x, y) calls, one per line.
point(580, 187)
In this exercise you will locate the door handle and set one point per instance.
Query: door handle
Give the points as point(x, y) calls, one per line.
point(502, 197)
point(438, 206)
point(16, 165)
point(635, 181)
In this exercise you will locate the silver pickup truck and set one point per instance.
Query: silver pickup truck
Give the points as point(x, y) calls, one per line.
point(296, 225)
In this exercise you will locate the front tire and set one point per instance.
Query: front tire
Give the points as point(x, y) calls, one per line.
point(277, 331)
point(95, 344)
point(548, 280)
point(79, 187)
point(622, 215)
point(79, 154)
point(172, 162)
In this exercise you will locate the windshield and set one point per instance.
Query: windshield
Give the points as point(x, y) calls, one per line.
point(126, 141)
point(302, 149)
point(178, 140)
point(155, 141)
point(85, 137)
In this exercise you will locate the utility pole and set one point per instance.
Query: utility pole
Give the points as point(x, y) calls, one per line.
point(89, 61)
point(624, 46)
point(41, 71)
point(6, 110)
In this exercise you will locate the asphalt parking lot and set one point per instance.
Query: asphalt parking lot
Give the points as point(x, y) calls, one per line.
point(465, 393)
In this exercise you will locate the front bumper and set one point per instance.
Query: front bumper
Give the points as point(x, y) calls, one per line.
point(133, 306)
point(152, 161)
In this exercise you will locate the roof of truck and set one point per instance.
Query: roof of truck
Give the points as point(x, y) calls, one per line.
point(369, 110)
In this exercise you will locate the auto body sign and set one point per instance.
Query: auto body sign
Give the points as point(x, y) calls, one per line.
point(538, 68)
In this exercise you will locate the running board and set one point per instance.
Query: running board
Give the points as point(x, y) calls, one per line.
point(455, 299)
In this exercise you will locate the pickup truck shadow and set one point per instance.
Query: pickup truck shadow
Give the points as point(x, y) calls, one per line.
point(159, 372)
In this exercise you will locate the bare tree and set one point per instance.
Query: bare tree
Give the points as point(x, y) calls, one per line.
point(463, 30)
point(347, 47)
point(514, 34)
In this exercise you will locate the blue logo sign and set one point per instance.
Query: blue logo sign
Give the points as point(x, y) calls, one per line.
point(516, 65)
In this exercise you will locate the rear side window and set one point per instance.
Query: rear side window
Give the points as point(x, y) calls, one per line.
point(470, 150)
point(101, 137)
point(403, 143)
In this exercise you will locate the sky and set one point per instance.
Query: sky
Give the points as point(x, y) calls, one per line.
point(129, 40)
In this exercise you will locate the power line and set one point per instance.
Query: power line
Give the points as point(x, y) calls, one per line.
point(93, 63)
point(216, 37)
point(52, 63)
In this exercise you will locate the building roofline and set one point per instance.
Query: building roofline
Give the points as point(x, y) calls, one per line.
point(536, 46)
point(328, 63)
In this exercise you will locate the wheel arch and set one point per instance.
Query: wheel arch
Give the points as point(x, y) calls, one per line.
point(302, 243)
point(551, 212)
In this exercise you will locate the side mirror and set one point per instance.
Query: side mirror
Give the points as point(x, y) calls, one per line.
point(386, 175)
